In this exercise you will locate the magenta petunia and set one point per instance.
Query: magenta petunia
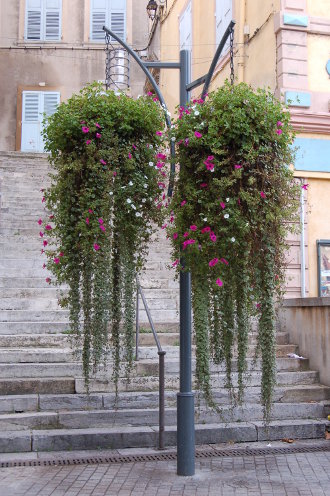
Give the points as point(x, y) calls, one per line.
point(203, 185)
point(174, 264)
point(56, 260)
point(150, 93)
point(258, 306)
point(219, 282)
point(279, 131)
point(90, 211)
point(183, 203)
point(305, 186)
point(51, 217)
point(48, 227)
point(45, 243)
point(237, 166)
point(44, 266)
point(40, 222)
point(88, 142)
point(87, 220)
point(161, 156)
point(41, 234)
point(97, 125)
point(85, 129)
point(160, 165)
point(61, 254)
point(213, 237)
point(175, 235)
point(164, 226)
point(213, 262)
point(262, 194)
point(102, 227)
point(97, 135)
point(222, 205)
point(129, 155)
point(224, 261)
point(161, 185)
point(193, 227)
point(48, 279)
point(159, 133)
point(279, 124)
point(114, 173)
point(100, 220)
point(205, 229)
point(103, 162)
point(43, 199)
point(188, 242)
point(186, 234)
point(96, 247)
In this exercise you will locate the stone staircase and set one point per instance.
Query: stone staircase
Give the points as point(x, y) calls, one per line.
point(43, 403)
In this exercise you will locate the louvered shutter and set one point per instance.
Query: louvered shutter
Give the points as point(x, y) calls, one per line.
point(52, 20)
point(31, 112)
point(33, 20)
point(185, 29)
point(51, 101)
point(98, 19)
point(223, 17)
point(118, 18)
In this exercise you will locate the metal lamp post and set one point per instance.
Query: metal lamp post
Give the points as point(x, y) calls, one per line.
point(185, 397)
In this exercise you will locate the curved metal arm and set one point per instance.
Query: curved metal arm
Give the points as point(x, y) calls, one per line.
point(216, 58)
point(158, 93)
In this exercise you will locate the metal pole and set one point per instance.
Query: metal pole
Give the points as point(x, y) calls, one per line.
point(302, 242)
point(137, 330)
point(161, 355)
point(185, 398)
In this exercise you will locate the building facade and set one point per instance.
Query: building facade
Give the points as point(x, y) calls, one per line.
point(50, 49)
point(283, 45)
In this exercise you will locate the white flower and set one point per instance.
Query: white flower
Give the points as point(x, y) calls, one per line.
point(137, 214)
point(133, 207)
point(145, 186)
point(129, 200)
point(196, 112)
point(205, 219)
point(173, 138)
point(146, 177)
point(226, 216)
point(151, 164)
point(202, 124)
point(110, 193)
point(144, 200)
point(123, 187)
point(130, 183)
point(233, 240)
point(151, 146)
point(227, 200)
point(168, 113)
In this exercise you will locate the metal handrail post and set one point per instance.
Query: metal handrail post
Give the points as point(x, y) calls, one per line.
point(161, 440)
point(137, 326)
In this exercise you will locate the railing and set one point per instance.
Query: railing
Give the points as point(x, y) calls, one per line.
point(161, 356)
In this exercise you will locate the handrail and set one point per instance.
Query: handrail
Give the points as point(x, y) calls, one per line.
point(161, 355)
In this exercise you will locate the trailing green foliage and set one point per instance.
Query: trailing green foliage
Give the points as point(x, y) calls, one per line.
point(104, 200)
point(234, 204)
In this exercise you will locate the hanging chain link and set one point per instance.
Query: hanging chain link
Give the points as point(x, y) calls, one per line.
point(107, 61)
point(232, 73)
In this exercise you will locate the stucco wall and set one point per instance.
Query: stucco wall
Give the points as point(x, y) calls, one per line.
point(308, 323)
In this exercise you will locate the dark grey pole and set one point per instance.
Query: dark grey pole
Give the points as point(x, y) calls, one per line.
point(185, 398)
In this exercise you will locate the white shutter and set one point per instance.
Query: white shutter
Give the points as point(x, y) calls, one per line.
point(118, 18)
point(31, 109)
point(98, 19)
point(185, 29)
point(51, 101)
point(52, 20)
point(33, 20)
point(223, 16)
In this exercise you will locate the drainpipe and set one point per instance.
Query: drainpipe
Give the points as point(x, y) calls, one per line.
point(302, 242)
point(241, 45)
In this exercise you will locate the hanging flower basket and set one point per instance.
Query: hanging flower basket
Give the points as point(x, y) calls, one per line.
point(235, 202)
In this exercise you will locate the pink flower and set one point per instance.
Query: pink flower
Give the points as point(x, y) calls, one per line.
point(100, 220)
point(175, 235)
point(203, 185)
point(161, 156)
point(210, 158)
point(197, 134)
point(61, 254)
point(213, 237)
point(51, 217)
point(102, 227)
point(174, 264)
point(213, 262)
point(279, 131)
point(150, 93)
point(88, 142)
point(134, 147)
point(183, 203)
point(164, 226)
point(219, 282)
point(82, 122)
point(129, 155)
point(161, 185)
point(279, 124)
point(48, 227)
point(155, 99)
point(193, 228)
point(258, 306)
point(188, 242)
point(97, 135)
point(209, 166)
point(186, 234)
point(159, 133)
point(205, 229)
point(96, 247)
point(42, 251)
point(159, 165)
point(114, 173)
point(97, 125)
point(103, 162)
point(237, 166)
point(305, 186)
point(41, 234)
point(43, 199)
point(85, 129)
point(48, 279)
point(186, 142)
point(171, 219)
point(222, 205)
point(44, 266)
point(87, 220)
point(45, 243)
point(90, 211)
point(163, 173)
point(40, 222)
point(56, 261)
point(262, 194)
point(224, 261)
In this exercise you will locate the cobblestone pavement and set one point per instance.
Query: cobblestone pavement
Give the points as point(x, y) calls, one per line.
point(303, 474)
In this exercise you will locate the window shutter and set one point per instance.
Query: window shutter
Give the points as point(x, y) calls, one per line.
point(51, 101)
point(223, 17)
point(52, 20)
point(31, 106)
point(185, 29)
point(98, 19)
point(33, 20)
point(118, 18)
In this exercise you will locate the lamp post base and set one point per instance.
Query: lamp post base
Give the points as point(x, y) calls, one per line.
point(185, 434)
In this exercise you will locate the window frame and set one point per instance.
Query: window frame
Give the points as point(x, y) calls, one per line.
point(42, 23)
point(107, 20)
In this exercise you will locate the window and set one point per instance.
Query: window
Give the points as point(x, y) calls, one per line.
point(34, 105)
point(43, 20)
point(185, 29)
point(110, 13)
point(223, 16)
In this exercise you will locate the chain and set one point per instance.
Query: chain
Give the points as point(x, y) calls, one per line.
point(232, 74)
point(107, 61)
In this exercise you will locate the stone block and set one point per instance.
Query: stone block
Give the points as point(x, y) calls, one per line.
point(15, 442)
point(294, 429)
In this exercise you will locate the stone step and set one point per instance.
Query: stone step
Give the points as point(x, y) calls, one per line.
point(149, 417)
point(23, 263)
point(129, 437)
point(99, 385)
point(33, 315)
point(26, 282)
point(31, 304)
point(50, 292)
point(39, 327)
point(47, 385)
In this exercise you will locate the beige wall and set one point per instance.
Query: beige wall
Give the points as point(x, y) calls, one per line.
point(65, 65)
